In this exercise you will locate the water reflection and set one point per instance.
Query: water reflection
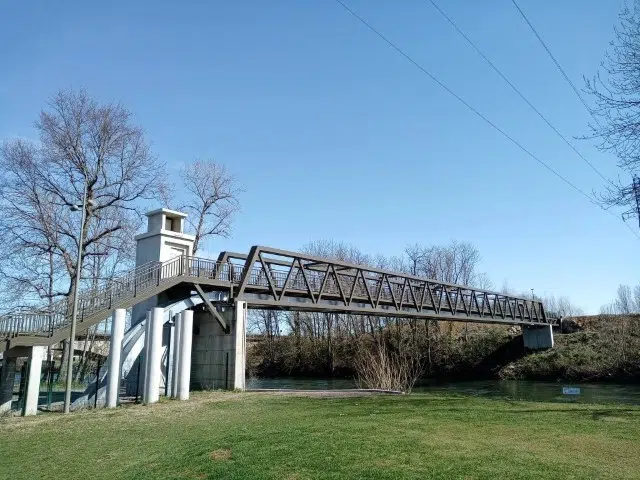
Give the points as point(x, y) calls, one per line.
point(289, 383)
point(511, 389)
point(542, 391)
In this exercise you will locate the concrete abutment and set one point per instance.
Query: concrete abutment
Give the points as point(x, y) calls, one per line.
point(538, 337)
point(219, 358)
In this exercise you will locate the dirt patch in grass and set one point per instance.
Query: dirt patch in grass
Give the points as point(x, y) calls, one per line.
point(220, 455)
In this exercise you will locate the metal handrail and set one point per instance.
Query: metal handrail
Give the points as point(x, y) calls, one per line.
point(102, 298)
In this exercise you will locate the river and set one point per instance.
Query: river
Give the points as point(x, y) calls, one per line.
point(625, 394)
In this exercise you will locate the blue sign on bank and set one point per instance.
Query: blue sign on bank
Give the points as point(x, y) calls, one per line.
point(570, 391)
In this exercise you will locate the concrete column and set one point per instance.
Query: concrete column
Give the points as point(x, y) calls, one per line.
point(33, 379)
point(144, 369)
point(6, 382)
point(240, 326)
point(113, 362)
point(537, 337)
point(154, 369)
point(184, 364)
point(168, 380)
point(175, 354)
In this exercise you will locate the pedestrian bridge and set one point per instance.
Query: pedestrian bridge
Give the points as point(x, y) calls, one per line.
point(189, 314)
point(268, 278)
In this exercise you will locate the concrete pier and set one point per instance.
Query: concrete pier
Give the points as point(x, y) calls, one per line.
point(154, 359)
point(219, 357)
point(34, 369)
point(184, 364)
point(240, 332)
point(7, 380)
point(175, 354)
point(538, 337)
point(144, 367)
point(113, 362)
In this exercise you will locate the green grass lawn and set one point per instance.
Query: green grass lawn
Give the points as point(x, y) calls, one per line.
point(243, 436)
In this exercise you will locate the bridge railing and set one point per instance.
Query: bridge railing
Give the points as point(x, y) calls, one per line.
point(103, 297)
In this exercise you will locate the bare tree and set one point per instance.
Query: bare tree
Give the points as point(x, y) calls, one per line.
point(623, 316)
point(616, 92)
point(212, 202)
point(380, 367)
point(416, 258)
point(626, 302)
point(28, 264)
point(82, 144)
point(482, 280)
point(559, 306)
point(636, 298)
point(336, 250)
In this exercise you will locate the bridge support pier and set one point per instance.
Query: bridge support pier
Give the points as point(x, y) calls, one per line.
point(219, 357)
point(174, 341)
point(34, 369)
point(7, 379)
point(184, 363)
point(144, 358)
point(115, 350)
point(240, 332)
point(538, 337)
point(153, 370)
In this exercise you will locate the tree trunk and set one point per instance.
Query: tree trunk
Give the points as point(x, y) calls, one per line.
point(296, 332)
point(64, 360)
point(329, 342)
point(83, 357)
point(83, 367)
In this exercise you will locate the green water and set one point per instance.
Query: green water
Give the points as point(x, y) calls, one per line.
point(627, 394)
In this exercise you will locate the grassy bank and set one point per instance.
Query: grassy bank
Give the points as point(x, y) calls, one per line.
point(607, 349)
point(241, 436)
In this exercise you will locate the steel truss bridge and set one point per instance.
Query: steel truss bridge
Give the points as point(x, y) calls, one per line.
point(268, 278)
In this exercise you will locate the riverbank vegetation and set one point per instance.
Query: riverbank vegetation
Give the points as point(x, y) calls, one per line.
point(600, 348)
point(605, 348)
point(275, 436)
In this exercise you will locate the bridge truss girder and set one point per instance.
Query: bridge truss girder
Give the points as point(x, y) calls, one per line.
point(279, 279)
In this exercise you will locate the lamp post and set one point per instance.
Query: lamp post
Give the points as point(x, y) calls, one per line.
point(74, 312)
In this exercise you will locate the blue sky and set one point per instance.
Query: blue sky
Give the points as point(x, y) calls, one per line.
point(335, 135)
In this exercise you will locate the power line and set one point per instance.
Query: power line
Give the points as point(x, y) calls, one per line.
point(470, 107)
point(571, 84)
point(562, 71)
point(515, 89)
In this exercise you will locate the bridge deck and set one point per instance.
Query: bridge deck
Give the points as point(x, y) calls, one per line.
point(271, 278)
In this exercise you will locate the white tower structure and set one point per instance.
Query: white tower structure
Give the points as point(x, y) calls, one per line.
point(163, 240)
